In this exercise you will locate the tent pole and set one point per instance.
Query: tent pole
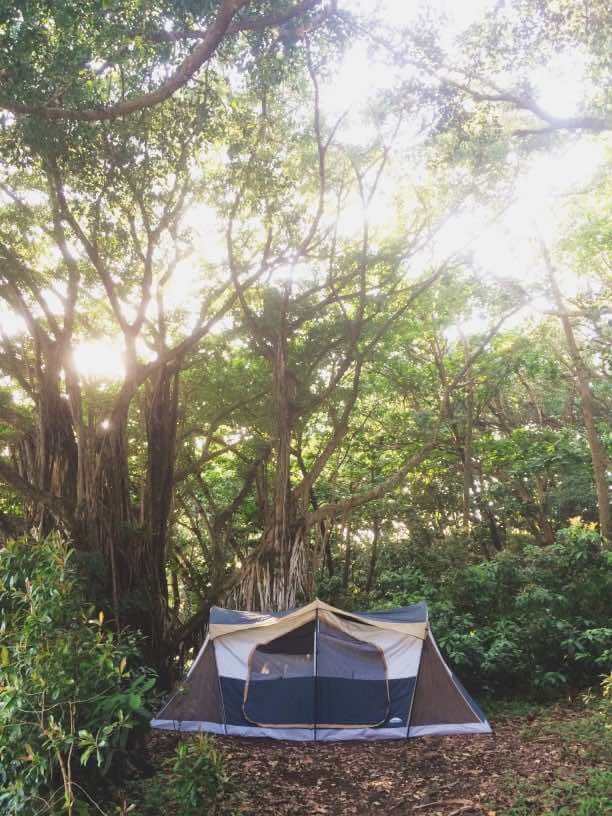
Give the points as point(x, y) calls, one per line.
point(220, 690)
point(316, 651)
point(416, 683)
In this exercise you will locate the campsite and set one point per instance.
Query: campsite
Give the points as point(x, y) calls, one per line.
point(305, 408)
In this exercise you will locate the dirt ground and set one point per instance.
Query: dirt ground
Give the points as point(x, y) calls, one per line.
point(431, 776)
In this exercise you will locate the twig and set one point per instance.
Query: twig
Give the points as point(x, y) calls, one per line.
point(464, 805)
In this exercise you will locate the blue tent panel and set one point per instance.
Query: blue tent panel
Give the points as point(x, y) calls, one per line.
point(417, 613)
point(219, 614)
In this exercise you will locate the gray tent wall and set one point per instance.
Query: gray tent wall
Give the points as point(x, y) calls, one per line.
point(318, 673)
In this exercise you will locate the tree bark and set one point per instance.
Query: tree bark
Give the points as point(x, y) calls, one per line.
point(278, 573)
point(329, 557)
point(373, 555)
point(84, 470)
point(468, 473)
point(161, 424)
point(348, 557)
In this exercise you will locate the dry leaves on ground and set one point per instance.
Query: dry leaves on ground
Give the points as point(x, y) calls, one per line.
point(432, 776)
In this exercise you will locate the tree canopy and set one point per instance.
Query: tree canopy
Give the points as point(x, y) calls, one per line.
point(255, 335)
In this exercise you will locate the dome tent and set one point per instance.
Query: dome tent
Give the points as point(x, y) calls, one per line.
point(318, 673)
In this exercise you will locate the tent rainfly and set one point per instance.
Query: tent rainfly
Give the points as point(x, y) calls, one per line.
point(318, 673)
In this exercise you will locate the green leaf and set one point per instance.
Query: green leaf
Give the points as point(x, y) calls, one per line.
point(135, 701)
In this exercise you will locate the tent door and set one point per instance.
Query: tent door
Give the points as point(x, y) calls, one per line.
point(280, 689)
point(352, 689)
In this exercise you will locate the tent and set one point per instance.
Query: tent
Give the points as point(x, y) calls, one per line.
point(318, 673)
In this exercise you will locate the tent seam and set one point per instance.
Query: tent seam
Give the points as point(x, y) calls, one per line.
point(416, 680)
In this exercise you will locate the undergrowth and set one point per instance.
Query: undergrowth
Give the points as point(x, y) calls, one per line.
point(192, 782)
point(587, 738)
point(591, 796)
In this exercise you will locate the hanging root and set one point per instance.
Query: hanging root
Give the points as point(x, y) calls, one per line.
point(265, 586)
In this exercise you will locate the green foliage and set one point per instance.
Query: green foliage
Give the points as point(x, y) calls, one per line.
point(200, 783)
point(589, 735)
point(590, 797)
point(71, 690)
point(535, 621)
point(582, 735)
point(195, 782)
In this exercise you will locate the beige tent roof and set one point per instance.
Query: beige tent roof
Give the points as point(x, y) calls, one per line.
point(251, 620)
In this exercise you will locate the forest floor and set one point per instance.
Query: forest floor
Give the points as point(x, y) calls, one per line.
point(554, 760)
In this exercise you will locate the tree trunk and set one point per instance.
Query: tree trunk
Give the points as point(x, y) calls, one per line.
point(468, 474)
point(599, 456)
point(161, 424)
point(496, 538)
point(329, 557)
point(279, 572)
point(348, 558)
point(50, 458)
point(85, 464)
point(107, 516)
point(535, 515)
point(373, 554)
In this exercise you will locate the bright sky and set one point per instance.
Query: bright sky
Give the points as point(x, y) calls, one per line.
point(503, 249)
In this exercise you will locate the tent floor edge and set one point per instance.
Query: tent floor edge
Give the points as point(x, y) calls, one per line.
point(449, 729)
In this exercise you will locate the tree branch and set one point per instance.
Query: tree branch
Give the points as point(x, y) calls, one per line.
point(55, 504)
point(358, 499)
point(208, 42)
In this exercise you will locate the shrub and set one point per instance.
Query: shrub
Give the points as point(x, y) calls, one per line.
point(69, 695)
point(201, 783)
point(193, 782)
point(535, 621)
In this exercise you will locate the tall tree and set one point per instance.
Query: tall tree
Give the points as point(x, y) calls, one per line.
point(109, 240)
point(93, 237)
point(316, 325)
point(583, 374)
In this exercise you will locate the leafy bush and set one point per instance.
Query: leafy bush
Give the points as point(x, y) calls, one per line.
point(194, 782)
point(582, 737)
point(535, 621)
point(201, 783)
point(588, 735)
point(69, 696)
